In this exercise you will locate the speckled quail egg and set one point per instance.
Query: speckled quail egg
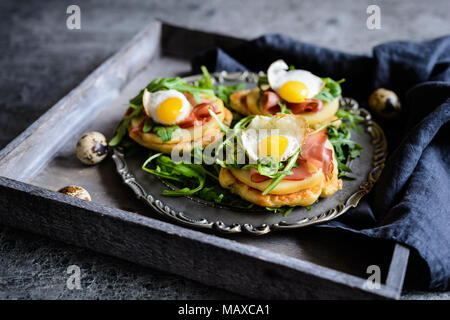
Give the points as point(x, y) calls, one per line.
point(77, 192)
point(385, 103)
point(92, 148)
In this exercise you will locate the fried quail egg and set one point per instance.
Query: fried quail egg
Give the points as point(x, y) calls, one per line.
point(293, 85)
point(279, 136)
point(168, 107)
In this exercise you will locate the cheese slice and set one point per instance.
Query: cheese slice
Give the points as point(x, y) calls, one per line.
point(285, 186)
point(328, 111)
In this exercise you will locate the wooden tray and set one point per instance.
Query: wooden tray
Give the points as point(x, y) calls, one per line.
point(306, 263)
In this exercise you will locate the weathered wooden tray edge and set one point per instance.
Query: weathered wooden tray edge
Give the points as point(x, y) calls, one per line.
point(154, 243)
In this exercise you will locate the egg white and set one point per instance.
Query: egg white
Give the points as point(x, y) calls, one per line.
point(152, 100)
point(278, 74)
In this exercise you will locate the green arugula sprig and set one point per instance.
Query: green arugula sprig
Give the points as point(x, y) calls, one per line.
point(340, 137)
point(283, 173)
point(263, 82)
point(193, 179)
point(223, 92)
point(121, 130)
point(231, 142)
point(164, 132)
point(331, 90)
point(284, 108)
point(267, 166)
point(282, 210)
point(168, 169)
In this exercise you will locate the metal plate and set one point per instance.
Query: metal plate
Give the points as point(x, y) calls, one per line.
point(201, 214)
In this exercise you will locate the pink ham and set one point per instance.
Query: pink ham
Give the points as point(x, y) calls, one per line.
point(314, 152)
point(199, 115)
point(309, 105)
point(268, 102)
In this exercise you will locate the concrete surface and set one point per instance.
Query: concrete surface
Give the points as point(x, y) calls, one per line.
point(41, 60)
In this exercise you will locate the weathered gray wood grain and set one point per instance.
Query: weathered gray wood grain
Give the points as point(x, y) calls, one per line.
point(31, 150)
point(195, 255)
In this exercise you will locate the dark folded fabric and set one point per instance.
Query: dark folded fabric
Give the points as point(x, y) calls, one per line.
point(411, 201)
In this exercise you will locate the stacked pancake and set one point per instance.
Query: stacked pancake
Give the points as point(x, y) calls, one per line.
point(187, 119)
point(294, 89)
point(279, 138)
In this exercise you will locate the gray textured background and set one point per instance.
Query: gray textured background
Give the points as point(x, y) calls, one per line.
point(41, 61)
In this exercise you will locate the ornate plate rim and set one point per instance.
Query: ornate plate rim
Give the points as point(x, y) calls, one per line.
point(378, 141)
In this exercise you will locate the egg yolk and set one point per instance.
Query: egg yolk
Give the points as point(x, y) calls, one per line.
point(169, 110)
point(274, 146)
point(294, 91)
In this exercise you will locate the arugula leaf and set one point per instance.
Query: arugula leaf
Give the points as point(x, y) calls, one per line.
point(331, 91)
point(263, 81)
point(211, 194)
point(193, 179)
point(345, 148)
point(287, 170)
point(284, 109)
point(165, 133)
point(168, 169)
point(148, 125)
point(123, 126)
point(352, 118)
point(222, 127)
point(232, 136)
point(223, 92)
point(267, 166)
point(205, 81)
point(283, 210)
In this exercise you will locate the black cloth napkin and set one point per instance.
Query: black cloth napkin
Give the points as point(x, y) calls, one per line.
point(411, 201)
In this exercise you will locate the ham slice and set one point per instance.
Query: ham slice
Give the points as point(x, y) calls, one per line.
point(268, 102)
point(190, 121)
point(192, 101)
point(309, 105)
point(199, 115)
point(299, 173)
point(255, 176)
point(314, 152)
